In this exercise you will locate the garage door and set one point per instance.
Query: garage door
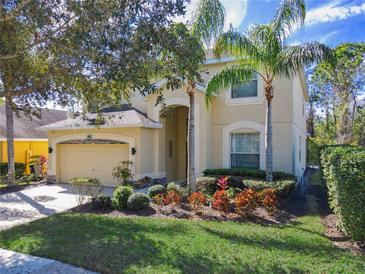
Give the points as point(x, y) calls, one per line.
point(91, 160)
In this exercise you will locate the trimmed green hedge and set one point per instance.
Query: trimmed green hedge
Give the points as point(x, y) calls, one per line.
point(344, 172)
point(281, 187)
point(19, 169)
point(208, 185)
point(248, 173)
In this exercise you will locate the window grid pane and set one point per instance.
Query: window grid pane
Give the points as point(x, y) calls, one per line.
point(245, 150)
point(245, 90)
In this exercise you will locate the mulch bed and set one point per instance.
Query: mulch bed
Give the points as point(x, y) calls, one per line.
point(15, 188)
point(338, 238)
point(184, 211)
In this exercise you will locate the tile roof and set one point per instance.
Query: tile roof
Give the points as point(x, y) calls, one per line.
point(27, 128)
point(117, 119)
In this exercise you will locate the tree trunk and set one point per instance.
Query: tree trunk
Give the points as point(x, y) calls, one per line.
point(191, 137)
point(268, 132)
point(10, 138)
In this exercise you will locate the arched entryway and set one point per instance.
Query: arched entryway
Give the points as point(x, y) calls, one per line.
point(175, 122)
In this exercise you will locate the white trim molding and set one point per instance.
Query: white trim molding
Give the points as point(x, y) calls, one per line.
point(83, 136)
point(245, 126)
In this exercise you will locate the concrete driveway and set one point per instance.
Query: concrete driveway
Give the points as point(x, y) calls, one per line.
point(34, 203)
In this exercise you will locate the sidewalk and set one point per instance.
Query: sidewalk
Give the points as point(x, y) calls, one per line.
point(14, 263)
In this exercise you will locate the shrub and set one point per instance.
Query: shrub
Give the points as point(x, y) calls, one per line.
point(19, 169)
point(85, 188)
point(232, 192)
point(138, 201)
point(282, 188)
point(245, 202)
point(221, 201)
point(344, 173)
point(206, 185)
point(158, 199)
point(172, 198)
point(120, 197)
point(156, 189)
point(247, 173)
point(174, 186)
point(197, 200)
point(223, 182)
point(123, 172)
point(101, 202)
point(268, 200)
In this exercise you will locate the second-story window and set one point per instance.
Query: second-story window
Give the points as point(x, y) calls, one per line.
point(245, 90)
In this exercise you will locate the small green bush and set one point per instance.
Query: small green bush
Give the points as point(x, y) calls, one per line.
point(120, 197)
point(156, 189)
point(206, 185)
point(138, 201)
point(101, 202)
point(247, 173)
point(344, 172)
point(282, 188)
point(19, 169)
point(174, 186)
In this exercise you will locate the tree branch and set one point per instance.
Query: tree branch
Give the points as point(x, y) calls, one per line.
point(15, 12)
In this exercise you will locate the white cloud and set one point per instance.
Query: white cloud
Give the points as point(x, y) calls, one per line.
point(236, 11)
point(328, 36)
point(332, 12)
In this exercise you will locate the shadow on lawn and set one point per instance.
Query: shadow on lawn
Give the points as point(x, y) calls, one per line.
point(111, 245)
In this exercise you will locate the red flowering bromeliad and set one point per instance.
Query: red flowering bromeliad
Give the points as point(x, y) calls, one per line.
point(223, 182)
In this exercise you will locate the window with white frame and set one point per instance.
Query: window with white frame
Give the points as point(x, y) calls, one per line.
point(244, 90)
point(245, 150)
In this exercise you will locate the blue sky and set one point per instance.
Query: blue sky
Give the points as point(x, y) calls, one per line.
point(328, 21)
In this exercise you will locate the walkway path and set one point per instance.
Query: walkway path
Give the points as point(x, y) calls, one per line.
point(34, 203)
point(13, 263)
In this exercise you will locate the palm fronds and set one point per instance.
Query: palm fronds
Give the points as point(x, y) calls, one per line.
point(289, 16)
point(294, 58)
point(238, 45)
point(226, 77)
point(208, 20)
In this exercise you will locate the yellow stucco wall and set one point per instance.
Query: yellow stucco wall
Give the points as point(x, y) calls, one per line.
point(23, 150)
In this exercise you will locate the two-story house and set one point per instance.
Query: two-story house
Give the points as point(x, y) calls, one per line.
point(229, 133)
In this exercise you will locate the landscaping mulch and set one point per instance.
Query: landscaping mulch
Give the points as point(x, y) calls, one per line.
point(338, 238)
point(184, 211)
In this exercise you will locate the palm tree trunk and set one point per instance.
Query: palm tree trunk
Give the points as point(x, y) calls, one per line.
point(10, 138)
point(268, 132)
point(191, 137)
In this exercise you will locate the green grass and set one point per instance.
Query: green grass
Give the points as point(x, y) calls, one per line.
point(149, 245)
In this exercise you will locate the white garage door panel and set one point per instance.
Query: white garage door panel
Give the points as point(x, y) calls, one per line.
point(95, 161)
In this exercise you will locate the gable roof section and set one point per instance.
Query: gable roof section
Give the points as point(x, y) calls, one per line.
point(117, 119)
point(26, 128)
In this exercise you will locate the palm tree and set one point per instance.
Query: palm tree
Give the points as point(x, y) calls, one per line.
point(263, 50)
point(206, 25)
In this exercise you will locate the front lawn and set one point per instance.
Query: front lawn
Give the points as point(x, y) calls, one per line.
point(142, 245)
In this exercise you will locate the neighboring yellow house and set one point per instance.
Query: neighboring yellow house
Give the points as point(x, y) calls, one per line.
point(29, 141)
point(230, 133)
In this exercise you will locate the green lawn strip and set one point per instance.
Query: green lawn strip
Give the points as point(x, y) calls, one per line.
point(150, 245)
